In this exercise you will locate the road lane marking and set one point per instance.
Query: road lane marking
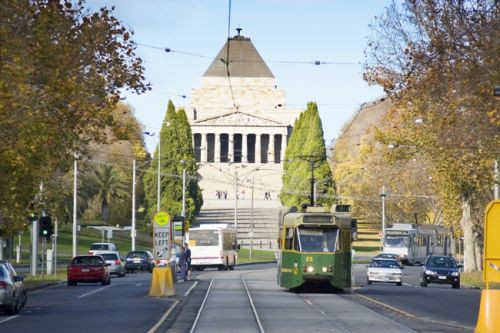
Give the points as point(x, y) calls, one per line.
point(95, 291)
point(162, 319)
point(193, 328)
point(405, 313)
point(9, 318)
point(261, 329)
point(192, 287)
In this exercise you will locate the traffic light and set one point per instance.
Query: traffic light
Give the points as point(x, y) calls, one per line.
point(45, 227)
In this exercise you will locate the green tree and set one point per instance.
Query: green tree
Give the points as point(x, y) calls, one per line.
point(61, 72)
point(110, 186)
point(176, 154)
point(306, 147)
point(438, 61)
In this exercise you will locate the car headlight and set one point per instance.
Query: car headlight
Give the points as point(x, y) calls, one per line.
point(455, 274)
point(429, 272)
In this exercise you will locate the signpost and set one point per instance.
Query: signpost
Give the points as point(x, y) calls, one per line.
point(161, 236)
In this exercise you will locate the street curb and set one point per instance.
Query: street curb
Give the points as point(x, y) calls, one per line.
point(257, 263)
point(42, 286)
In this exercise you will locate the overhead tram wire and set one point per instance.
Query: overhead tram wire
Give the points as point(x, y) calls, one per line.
point(227, 56)
point(294, 62)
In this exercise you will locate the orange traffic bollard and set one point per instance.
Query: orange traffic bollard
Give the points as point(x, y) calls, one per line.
point(162, 282)
point(488, 320)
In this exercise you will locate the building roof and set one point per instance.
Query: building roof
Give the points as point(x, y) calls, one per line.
point(244, 60)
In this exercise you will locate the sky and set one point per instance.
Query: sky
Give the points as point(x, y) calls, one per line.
point(281, 30)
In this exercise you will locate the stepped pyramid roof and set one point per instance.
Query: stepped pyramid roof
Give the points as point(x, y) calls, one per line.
point(244, 60)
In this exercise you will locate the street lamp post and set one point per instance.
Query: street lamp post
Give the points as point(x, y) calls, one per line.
point(159, 174)
point(133, 205)
point(75, 194)
point(183, 212)
point(251, 219)
point(382, 196)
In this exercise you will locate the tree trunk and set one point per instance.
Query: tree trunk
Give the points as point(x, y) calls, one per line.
point(467, 224)
point(478, 248)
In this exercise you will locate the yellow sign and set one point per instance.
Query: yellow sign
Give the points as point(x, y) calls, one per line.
point(162, 218)
point(491, 271)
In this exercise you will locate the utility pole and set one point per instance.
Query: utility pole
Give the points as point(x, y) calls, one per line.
point(133, 206)
point(312, 198)
point(183, 212)
point(54, 246)
point(159, 172)
point(251, 219)
point(497, 181)
point(34, 246)
point(382, 196)
point(315, 192)
point(236, 201)
point(75, 194)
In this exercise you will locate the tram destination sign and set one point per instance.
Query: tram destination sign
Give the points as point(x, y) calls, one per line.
point(318, 219)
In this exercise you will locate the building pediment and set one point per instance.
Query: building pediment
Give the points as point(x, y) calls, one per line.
point(237, 119)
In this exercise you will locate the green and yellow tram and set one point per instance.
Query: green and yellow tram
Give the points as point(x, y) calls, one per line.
point(315, 247)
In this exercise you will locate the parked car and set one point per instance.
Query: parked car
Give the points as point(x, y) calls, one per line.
point(10, 293)
point(385, 270)
point(383, 256)
point(19, 282)
point(440, 269)
point(102, 247)
point(88, 269)
point(139, 260)
point(117, 266)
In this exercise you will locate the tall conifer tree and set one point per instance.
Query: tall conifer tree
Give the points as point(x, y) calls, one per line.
point(306, 144)
point(176, 146)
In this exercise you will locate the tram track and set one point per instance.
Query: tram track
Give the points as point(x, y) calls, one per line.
point(211, 287)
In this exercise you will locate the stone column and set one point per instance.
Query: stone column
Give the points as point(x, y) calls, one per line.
point(230, 147)
point(244, 148)
point(270, 157)
point(203, 148)
point(217, 148)
point(283, 147)
point(257, 148)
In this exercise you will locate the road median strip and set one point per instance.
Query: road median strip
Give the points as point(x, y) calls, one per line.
point(164, 317)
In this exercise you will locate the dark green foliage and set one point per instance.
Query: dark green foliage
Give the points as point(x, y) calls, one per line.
point(306, 144)
point(176, 146)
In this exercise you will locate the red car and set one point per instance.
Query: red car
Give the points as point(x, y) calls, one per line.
point(88, 269)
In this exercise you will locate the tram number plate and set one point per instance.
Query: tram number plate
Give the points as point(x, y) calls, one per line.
point(309, 259)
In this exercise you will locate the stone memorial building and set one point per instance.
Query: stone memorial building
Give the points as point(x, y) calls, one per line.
point(240, 124)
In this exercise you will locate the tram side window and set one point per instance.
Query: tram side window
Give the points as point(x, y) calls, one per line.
point(289, 239)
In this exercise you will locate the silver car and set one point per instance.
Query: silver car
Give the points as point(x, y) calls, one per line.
point(19, 281)
point(117, 266)
point(10, 293)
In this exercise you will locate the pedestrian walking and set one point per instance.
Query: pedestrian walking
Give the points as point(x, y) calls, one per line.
point(183, 264)
point(188, 260)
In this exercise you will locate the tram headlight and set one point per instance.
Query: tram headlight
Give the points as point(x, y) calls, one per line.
point(324, 269)
point(310, 269)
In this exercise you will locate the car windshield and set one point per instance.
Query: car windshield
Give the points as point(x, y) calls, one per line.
point(317, 239)
point(386, 256)
point(441, 262)
point(385, 264)
point(396, 241)
point(136, 255)
point(109, 256)
point(94, 260)
point(204, 238)
point(99, 247)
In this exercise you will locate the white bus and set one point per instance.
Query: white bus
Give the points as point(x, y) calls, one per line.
point(212, 245)
point(413, 243)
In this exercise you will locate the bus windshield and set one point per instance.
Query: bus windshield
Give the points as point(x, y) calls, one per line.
point(317, 239)
point(204, 237)
point(397, 241)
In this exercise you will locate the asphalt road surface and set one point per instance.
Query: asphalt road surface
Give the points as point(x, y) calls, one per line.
point(246, 300)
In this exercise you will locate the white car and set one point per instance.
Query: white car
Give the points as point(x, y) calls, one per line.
point(95, 248)
point(385, 270)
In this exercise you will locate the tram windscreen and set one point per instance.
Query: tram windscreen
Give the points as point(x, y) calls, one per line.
point(397, 241)
point(204, 237)
point(318, 239)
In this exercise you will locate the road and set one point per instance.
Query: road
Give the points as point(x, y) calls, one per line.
point(246, 300)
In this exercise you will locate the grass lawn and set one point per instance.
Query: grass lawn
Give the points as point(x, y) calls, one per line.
point(257, 256)
point(475, 279)
point(31, 281)
point(85, 238)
